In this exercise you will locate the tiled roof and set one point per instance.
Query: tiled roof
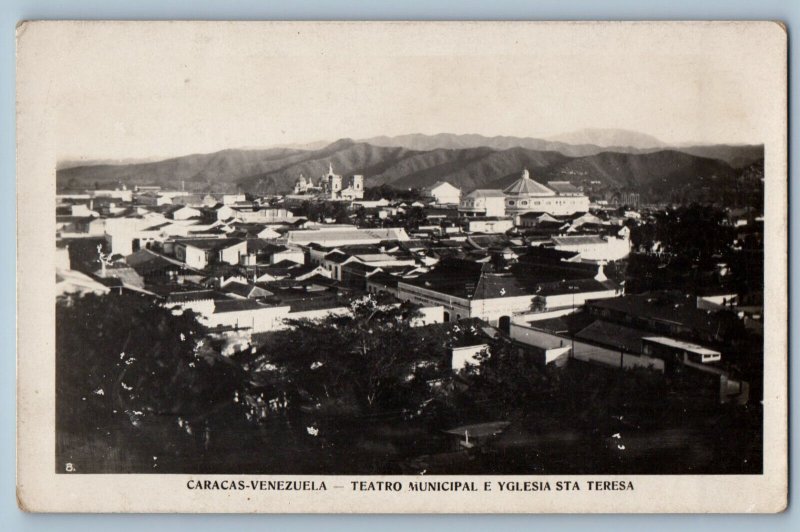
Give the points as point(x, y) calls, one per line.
point(527, 187)
point(578, 240)
point(145, 261)
point(210, 244)
point(245, 290)
point(467, 279)
point(337, 257)
point(614, 336)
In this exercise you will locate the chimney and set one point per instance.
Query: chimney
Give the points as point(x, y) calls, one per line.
point(601, 275)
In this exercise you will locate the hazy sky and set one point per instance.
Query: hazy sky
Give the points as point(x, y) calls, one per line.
point(127, 91)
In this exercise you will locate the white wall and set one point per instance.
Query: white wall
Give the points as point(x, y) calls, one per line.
point(612, 249)
point(191, 256)
point(294, 255)
point(257, 320)
point(429, 315)
point(231, 255)
point(566, 300)
point(492, 310)
point(582, 351)
point(185, 213)
point(427, 298)
point(557, 205)
point(461, 356)
point(489, 226)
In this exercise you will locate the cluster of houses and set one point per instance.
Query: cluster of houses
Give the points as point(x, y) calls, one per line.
point(535, 262)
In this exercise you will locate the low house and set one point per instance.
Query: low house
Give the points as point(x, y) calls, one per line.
point(261, 252)
point(289, 270)
point(153, 267)
point(199, 253)
point(239, 290)
point(185, 213)
point(356, 274)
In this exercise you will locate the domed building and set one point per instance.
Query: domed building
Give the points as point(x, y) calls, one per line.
point(558, 198)
point(301, 185)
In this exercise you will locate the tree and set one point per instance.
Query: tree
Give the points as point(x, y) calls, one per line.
point(365, 359)
point(124, 365)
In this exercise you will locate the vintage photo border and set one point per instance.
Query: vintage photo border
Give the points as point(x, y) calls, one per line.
point(40, 489)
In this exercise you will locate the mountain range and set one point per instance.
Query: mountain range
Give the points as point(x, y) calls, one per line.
point(467, 161)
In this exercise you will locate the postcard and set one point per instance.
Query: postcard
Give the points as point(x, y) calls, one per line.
point(402, 267)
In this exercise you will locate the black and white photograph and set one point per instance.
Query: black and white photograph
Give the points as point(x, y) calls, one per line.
point(427, 252)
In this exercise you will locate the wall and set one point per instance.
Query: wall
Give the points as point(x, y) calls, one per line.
point(612, 249)
point(313, 315)
point(424, 297)
point(294, 255)
point(192, 256)
point(257, 320)
point(578, 299)
point(461, 356)
point(203, 307)
point(528, 317)
point(492, 310)
point(495, 206)
point(557, 205)
point(231, 254)
point(582, 350)
point(429, 315)
point(486, 226)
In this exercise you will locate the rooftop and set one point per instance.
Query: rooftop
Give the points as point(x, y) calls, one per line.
point(525, 186)
point(661, 308)
point(679, 344)
point(578, 240)
point(145, 261)
point(210, 244)
point(486, 193)
point(613, 335)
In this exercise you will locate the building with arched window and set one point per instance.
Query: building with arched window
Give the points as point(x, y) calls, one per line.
point(559, 198)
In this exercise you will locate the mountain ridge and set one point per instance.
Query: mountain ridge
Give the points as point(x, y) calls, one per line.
point(655, 174)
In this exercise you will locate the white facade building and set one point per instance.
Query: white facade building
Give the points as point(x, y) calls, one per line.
point(443, 193)
point(595, 248)
point(483, 203)
point(559, 198)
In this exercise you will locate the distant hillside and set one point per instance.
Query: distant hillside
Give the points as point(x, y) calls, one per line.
point(576, 144)
point(609, 138)
point(738, 156)
point(207, 172)
point(656, 175)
